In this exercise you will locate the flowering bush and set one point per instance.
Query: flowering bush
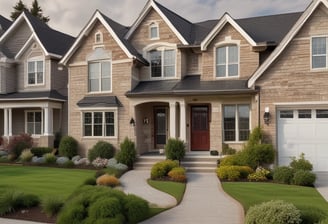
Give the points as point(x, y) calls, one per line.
point(99, 162)
point(259, 175)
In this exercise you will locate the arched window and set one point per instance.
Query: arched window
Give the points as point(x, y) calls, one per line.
point(227, 61)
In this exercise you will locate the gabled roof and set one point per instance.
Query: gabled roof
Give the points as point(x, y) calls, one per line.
point(4, 24)
point(53, 42)
point(180, 26)
point(116, 30)
point(286, 40)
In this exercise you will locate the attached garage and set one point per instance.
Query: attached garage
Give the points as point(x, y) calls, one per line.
point(303, 131)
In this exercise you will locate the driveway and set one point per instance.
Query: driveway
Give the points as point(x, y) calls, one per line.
point(321, 184)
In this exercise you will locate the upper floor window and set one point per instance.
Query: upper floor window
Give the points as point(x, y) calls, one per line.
point(35, 71)
point(319, 52)
point(227, 61)
point(98, 38)
point(153, 31)
point(100, 76)
point(162, 63)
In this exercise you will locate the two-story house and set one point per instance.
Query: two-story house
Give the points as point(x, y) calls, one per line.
point(207, 83)
point(33, 92)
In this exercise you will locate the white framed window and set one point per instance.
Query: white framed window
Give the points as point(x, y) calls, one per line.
point(236, 122)
point(34, 122)
point(227, 61)
point(100, 76)
point(162, 63)
point(99, 38)
point(35, 71)
point(319, 52)
point(99, 123)
point(154, 31)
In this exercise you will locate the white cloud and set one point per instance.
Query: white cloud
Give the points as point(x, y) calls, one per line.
point(71, 16)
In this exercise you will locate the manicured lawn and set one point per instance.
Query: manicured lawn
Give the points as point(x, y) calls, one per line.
point(249, 194)
point(43, 181)
point(173, 188)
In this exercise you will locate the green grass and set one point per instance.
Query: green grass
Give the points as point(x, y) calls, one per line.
point(42, 181)
point(173, 188)
point(249, 194)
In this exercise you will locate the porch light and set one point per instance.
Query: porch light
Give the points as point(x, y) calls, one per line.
point(266, 116)
point(132, 122)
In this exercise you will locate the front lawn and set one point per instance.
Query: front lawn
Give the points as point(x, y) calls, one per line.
point(249, 194)
point(43, 181)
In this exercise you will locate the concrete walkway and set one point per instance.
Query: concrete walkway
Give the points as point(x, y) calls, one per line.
point(321, 184)
point(203, 202)
point(14, 221)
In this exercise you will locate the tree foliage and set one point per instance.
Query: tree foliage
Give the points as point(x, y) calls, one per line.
point(35, 10)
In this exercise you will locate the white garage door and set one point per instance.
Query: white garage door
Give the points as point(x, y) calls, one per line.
point(303, 131)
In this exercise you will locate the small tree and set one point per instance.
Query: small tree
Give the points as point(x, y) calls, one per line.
point(128, 153)
point(175, 149)
point(18, 9)
point(37, 12)
point(68, 147)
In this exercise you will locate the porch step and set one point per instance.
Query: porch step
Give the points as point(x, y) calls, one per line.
point(199, 163)
point(146, 162)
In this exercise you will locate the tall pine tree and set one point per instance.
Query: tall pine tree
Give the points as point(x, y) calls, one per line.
point(35, 10)
point(18, 9)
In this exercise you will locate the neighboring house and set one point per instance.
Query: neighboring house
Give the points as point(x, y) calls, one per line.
point(33, 92)
point(206, 83)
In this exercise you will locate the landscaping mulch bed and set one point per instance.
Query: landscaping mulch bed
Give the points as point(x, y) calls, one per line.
point(32, 214)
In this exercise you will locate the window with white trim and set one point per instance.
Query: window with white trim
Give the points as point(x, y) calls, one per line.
point(35, 71)
point(319, 52)
point(227, 61)
point(100, 77)
point(162, 63)
point(99, 38)
point(153, 31)
point(33, 122)
point(236, 123)
point(99, 124)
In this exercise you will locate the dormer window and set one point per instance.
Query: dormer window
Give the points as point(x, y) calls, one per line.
point(35, 71)
point(98, 38)
point(227, 61)
point(153, 31)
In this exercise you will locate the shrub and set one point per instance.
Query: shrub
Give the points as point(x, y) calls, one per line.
point(40, 151)
point(128, 154)
point(99, 162)
point(304, 178)
point(90, 181)
point(161, 169)
point(301, 163)
point(11, 200)
point(75, 213)
point(283, 175)
point(273, 212)
point(226, 150)
point(260, 174)
point(136, 208)
point(50, 158)
point(310, 215)
point(68, 147)
point(108, 180)
point(233, 173)
point(99, 173)
point(178, 174)
point(105, 208)
point(230, 160)
point(26, 155)
point(18, 143)
point(175, 149)
point(68, 164)
point(101, 149)
point(52, 205)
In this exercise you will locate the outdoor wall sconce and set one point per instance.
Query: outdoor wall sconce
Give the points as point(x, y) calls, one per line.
point(266, 116)
point(145, 120)
point(132, 122)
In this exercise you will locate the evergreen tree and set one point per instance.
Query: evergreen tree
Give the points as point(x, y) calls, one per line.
point(37, 12)
point(18, 9)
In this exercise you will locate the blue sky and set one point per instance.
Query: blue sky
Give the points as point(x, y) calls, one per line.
point(70, 16)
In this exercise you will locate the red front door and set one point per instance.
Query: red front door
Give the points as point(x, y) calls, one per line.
point(200, 133)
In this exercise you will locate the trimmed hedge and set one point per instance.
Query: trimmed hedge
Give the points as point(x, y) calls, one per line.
point(161, 169)
point(102, 149)
point(233, 173)
point(40, 151)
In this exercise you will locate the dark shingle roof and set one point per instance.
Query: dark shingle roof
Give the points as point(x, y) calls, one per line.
point(99, 101)
point(269, 28)
point(201, 30)
point(120, 31)
point(4, 23)
point(54, 41)
point(190, 85)
point(48, 95)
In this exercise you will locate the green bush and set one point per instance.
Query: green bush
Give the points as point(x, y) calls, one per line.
point(105, 208)
point(301, 163)
point(73, 214)
point(273, 212)
point(310, 215)
point(304, 178)
point(11, 200)
point(51, 206)
point(26, 155)
point(90, 181)
point(283, 175)
point(260, 174)
point(136, 208)
point(40, 151)
point(18, 143)
point(161, 169)
point(233, 173)
point(50, 158)
point(68, 147)
point(128, 154)
point(226, 150)
point(175, 149)
point(101, 149)
point(68, 164)
point(231, 160)
point(178, 174)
